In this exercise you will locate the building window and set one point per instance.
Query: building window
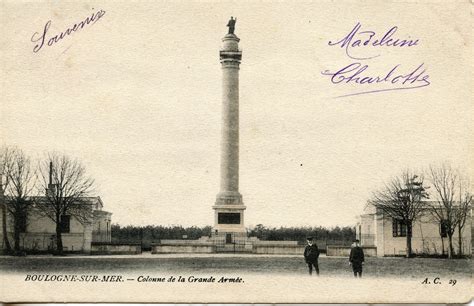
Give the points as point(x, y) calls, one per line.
point(443, 229)
point(399, 228)
point(65, 223)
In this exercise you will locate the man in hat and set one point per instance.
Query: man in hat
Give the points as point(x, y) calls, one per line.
point(356, 258)
point(311, 254)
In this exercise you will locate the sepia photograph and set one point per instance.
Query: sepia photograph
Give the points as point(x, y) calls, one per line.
point(236, 152)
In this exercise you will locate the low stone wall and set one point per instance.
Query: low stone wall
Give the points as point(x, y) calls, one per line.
point(183, 242)
point(334, 250)
point(247, 245)
point(183, 247)
point(276, 242)
point(101, 248)
point(280, 249)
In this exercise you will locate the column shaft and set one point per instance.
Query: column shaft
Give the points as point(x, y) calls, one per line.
point(230, 128)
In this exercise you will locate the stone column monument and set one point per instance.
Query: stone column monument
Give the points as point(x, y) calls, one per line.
point(229, 208)
point(229, 234)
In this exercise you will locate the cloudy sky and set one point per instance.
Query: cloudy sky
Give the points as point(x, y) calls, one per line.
point(137, 98)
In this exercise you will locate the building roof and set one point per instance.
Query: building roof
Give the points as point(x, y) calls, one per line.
point(95, 202)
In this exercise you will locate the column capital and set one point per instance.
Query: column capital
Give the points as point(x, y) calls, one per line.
point(230, 56)
point(230, 49)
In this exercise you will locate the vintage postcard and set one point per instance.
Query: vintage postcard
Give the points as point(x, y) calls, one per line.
point(236, 151)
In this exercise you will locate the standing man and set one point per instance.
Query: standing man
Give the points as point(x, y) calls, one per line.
point(311, 254)
point(356, 258)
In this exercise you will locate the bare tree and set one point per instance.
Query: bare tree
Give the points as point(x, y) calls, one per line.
point(447, 209)
point(5, 167)
point(67, 187)
point(463, 212)
point(21, 183)
point(402, 200)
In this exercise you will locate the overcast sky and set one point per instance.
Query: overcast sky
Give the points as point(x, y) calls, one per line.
point(137, 98)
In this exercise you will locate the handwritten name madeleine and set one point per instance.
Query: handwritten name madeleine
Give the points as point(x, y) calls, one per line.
point(47, 39)
point(366, 44)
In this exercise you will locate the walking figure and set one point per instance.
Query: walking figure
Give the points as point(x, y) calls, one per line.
point(356, 258)
point(311, 255)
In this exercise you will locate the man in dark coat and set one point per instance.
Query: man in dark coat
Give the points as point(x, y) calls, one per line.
point(356, 258)
point(311, 254)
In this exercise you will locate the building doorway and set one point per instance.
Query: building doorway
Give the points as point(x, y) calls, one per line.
point(228, 238)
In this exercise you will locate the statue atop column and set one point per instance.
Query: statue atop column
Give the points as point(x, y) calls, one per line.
point(231, 25)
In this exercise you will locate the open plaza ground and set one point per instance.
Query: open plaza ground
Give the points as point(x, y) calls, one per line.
point(226, 263)
point(262, 279)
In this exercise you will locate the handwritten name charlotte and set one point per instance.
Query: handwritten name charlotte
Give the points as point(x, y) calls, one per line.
point(362, 46)
point(46, 39)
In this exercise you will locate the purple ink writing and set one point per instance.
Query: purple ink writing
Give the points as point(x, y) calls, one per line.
point(359, 74)
point(367, 39)
point(45, 39)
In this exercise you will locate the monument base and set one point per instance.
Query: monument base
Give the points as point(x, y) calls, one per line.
point(229, 223)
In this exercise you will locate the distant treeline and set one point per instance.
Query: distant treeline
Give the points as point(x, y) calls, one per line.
point(334, 234)
point(154, 233)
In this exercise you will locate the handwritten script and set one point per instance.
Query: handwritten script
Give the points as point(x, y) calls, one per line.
point(47, 39)
point(365, 45)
